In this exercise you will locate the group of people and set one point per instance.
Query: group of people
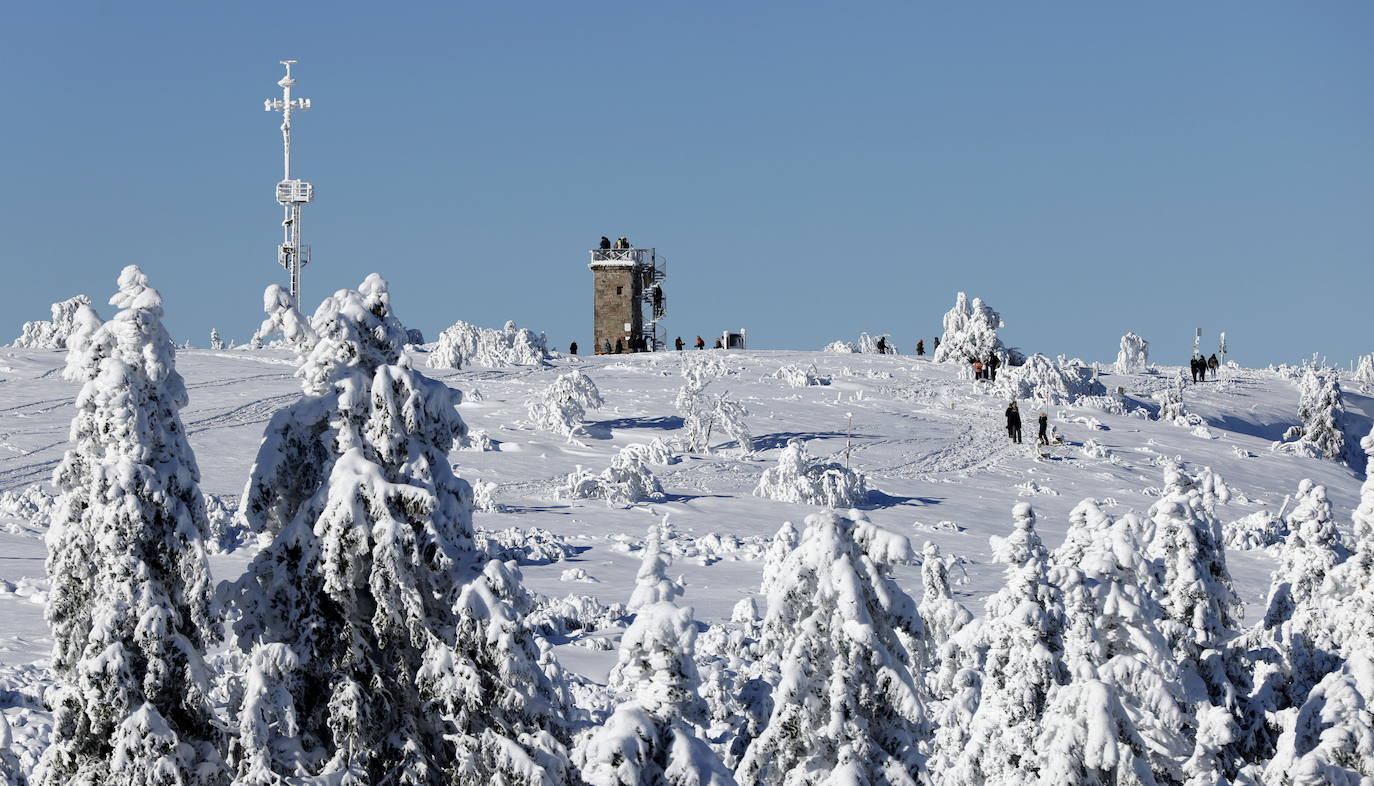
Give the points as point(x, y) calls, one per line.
point(1014, 425)
point(620, 243)
point(1202, 366)
point(638, 344)
point(921, 346)
point(986, 369)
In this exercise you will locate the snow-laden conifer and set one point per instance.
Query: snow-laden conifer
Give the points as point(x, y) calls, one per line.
point(130, 597)
point(464, 345)
point(704, 411)
point(775, 558)
point(411, 664)
point(216, 343)
point(561, 406)
point(841, 644)
point(942, 614)
point(283, 318)
point(1346, 598)
point(1364, 371)
point(655, 735)
point(10, 772)
point(1322, 412)
point(652, 584)
point(1134, 354)
point(45, 334)
point(801, 478)
point(970, 333)
point(1329, 741)
point(1018, 647)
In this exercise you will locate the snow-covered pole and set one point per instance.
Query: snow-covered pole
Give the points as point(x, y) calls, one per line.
point(291, 194)
point(849, 438)
point(1222, 347)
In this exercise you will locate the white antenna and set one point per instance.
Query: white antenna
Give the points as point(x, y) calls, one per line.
point(291, 194)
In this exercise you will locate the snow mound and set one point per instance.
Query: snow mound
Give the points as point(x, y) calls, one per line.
point(800, 477)
point(799, 377)
point(464, 345)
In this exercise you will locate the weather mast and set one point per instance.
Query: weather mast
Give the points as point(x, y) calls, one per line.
point(291, 193)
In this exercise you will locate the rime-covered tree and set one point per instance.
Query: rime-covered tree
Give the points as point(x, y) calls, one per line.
point(970, 333)
point(1018, 647)
point(283, 318)
point(1134, 354)
point(775, 558)
point(411, 665)
point(216, 343)
point(464, 345)
point(942, 614)
point(1329, 741)
point(130, 599)
point(800, 477)
point(44, 334)
point(655, 735)
point(561, 407)
point(840, 644)
point(10, 772)
point(652, 584)
point(704, 411)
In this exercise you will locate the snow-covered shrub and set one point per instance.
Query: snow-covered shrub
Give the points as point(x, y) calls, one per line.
point(1094, 449)
point(1050, 382)
point(703, 411)
point(971, 333)
point(534, 546)
point(840, 348)
point(484, 497)
point(43, 334)
point(841, 641)
point(284, 319)
point(655, 735)
point(1256, 530)
point(654, 452)
point(797, 377)
point(129, 601)
point(1322, 412)
point(226, 533)
point(628, 480)
point(414, 337)
point(573, 614)
point(800, 477)
point(33, 505)
point(414, 663)
point(464, 345)
point(1134, 354)
point(561, 406)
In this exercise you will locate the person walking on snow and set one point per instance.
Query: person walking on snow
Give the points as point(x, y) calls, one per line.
point(1192, 367)
point(678, 343)
point(882, 345)
point(1213, 365)
point(1044, 423)
point(572, 348)
point(606, 347)
point(1014, 423)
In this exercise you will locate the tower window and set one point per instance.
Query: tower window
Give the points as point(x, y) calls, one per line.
point(620, 290)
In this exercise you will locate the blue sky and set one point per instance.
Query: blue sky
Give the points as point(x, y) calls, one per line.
point(811, 170)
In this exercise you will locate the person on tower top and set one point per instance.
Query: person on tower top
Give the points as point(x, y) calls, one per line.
point(605, 243)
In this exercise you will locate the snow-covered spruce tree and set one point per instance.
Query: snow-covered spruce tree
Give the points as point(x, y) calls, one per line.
point(10, 772)
point(703, 411)
point(970, 333)
point(1134, 354)
point(1322, 414)
point(655, 736)
point(216, 343)
point(1124, 716)
point(942, 614)
point(1364, 371)
point(1330, 740)
point(800, 477)
point(464, 345)
point(284, 319)
point(1019, 649)
point(561, 406)
point(1346, 598)
point(410, 666)
point(43, 334)
point(130, 598)
point(841, 644)
point(784, 541)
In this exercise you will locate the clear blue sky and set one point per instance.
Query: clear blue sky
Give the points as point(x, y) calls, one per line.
point(811, 170)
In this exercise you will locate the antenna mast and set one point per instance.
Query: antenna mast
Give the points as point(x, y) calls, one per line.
point(291, 194)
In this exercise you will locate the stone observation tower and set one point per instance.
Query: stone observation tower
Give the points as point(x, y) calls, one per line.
point(624, 282)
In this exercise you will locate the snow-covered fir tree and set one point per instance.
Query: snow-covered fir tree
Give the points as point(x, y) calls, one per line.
point(45, 334)
point(130, 598)
point(216, 343)
point(561, 407)
point(801, 478)
point(840, 644)
point(775, 558)
point(1364, 371)
point(1134, 354)
point(942, 614)
point(410, 664)
point(284, 319)
point(11, 773)
point(655, 735)
point(1322, 412)
point(970, 333)
point(1018, 648)
point(1329, 741)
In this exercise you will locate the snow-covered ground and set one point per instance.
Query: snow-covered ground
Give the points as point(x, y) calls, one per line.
point(930, 442)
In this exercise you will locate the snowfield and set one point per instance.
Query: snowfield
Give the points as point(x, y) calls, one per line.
point(928, 441)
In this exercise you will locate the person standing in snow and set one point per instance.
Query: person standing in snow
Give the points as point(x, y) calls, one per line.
point(882, 345)
point(678, 343)
point(977, 369)
point(619, 347)
point(1044, 422)
point(1014, 423)
point(920, 347)
point(606, 347)
point(937, 344)
point(605, 243)
point(700, 344)
point(572, 348)
point(718, 345)
point(991, 366)
point(1192, 367)
point(1213, 365)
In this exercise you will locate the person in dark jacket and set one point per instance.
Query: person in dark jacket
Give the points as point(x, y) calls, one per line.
point(718, 345)
point(936, 345)
point(606, 347)
point(991, 367)
point(1014, 423)
point(678, 343)
point(700, 344)
point(920, 347)
point(1192, 367)
point(882, 345)
point(1213, 365)
point(1044, 423)
point(619, 347)
point(572, 348)
point(605, 243)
